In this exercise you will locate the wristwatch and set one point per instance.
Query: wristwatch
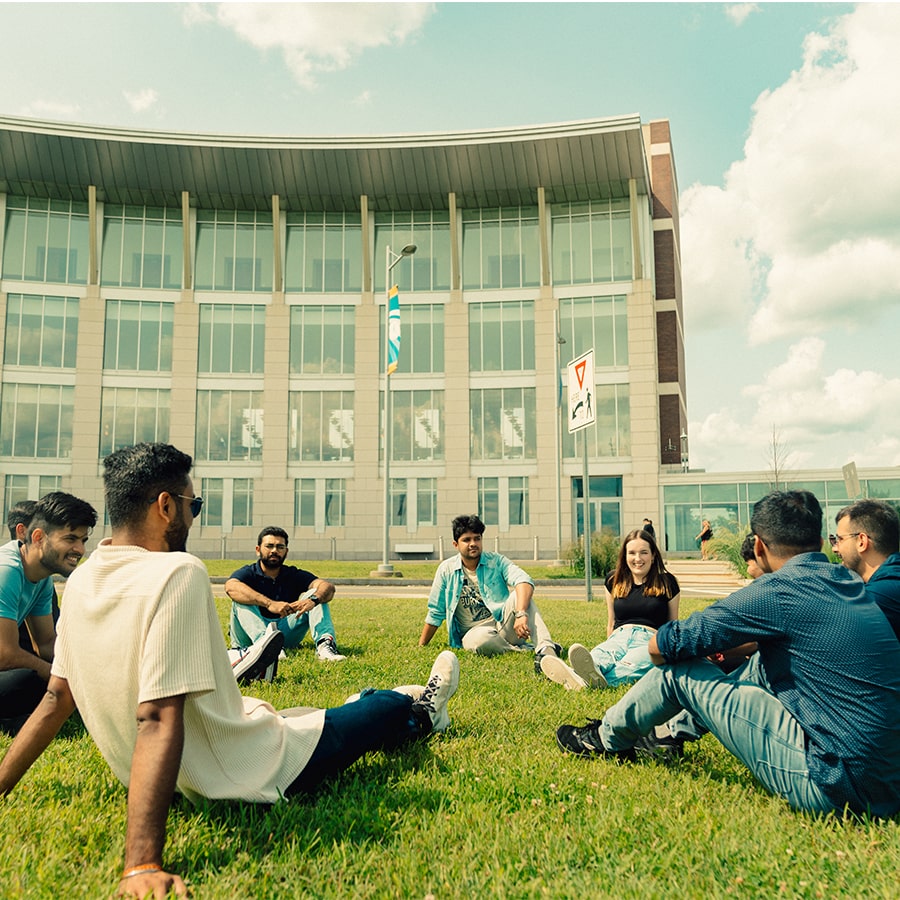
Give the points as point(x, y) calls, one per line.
point(520, 613)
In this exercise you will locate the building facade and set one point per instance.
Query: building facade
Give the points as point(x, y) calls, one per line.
point(228, 295)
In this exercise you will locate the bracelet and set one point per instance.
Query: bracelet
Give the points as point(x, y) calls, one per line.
point(520, 613)
point(139, 870)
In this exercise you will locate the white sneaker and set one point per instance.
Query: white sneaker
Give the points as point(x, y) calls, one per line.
point(259, 659)
point(327, 651)
point(582, 662)
point(556, 670)
point(441, 687)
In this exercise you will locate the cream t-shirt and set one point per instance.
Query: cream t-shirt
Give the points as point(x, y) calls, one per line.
point(138, 625)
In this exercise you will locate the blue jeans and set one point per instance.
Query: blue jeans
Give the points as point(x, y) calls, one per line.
point(248, 625)
point(623, 657)
point(739, 709)
point(378, 720)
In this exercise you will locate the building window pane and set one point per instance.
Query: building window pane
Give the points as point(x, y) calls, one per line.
point(489, 500)
point(142, 247)
point(138, 336)
point(41, 331)
point(503, 423)
point(417, 425)
point(323, 252)
point(229, 425)
point(305, 502)
point(15, 490)
point(421, 338)
point(398, 501)
point(322, 340)
point(242, 501)
point(591, 242)
point(232, 338)
point(501, 336)
point(610, 435)
point(132, 415)
point(46, 240)
point(518, 501)
point(429, 268)
point(320, 426)
point(234, 251)
point(213, 493)
point(426, 501)
point(600, 323)
point(501, 248)
point(335, 501)
point(36, 420)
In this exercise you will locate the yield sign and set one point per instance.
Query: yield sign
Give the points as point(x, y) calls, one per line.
point(581, 391)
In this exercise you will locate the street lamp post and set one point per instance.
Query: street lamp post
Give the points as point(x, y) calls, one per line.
point(560, 340)
point(684, 451)
point(391, 260)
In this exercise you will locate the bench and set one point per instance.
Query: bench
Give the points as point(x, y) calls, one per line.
point(404, 551)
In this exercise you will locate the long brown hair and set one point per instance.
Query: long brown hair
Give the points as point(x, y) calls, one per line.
point(656, 583)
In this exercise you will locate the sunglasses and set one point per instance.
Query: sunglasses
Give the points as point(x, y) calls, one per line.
point(196, 504)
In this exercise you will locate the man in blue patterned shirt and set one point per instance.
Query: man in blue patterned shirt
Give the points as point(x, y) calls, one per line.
point(815, 715)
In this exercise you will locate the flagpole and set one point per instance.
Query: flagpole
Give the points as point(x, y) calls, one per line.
point(391, 260)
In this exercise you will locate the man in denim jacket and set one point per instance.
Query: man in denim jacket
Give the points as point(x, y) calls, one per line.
point(485, 599)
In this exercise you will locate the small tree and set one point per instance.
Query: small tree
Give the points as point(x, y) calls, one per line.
point(604, 553)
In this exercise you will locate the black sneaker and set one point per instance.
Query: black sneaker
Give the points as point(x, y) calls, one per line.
point(585, 741)
point(546, 650)
point(256, 660)
point(662, 748)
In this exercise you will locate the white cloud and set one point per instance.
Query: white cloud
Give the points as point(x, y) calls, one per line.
point(806, 221)
point(142, 100)
point(364, 98)
point(738, 12)
point(51, 109)
point(317, 37)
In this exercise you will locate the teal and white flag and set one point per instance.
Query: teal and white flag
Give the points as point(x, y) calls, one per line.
point(393, 324)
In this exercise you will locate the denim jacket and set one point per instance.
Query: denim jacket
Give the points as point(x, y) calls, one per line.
point(496, 577)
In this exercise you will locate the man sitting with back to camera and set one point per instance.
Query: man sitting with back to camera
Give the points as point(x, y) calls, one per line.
point(268, 595)
point(815, 714)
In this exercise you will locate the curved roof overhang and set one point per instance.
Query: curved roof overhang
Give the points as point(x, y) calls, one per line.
point(593, 159)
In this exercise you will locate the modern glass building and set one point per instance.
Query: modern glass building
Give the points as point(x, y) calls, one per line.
point(227, 294)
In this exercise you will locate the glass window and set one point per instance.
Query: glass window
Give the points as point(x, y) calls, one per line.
point(46, 240)
point(417, 421)
point(610, 435)
point(501, 336)
point(421, 338)
point(503, 423)
point(322, 339)
point(320, 425)
point(398, 501)
point(598, 322)
point(883, 488)
point(36, 420)
point(591, 242)
point(489, 500)
point(242, 501)
point(426, 501)
point(15, 490)
point(41, 331)
point(234, 251)
point(501, 248)
point(320, 502)
point(138, 336)
point(323, 252)
point(518, 501)
point(229, 425)
point(232, 338)
point(213, 493)
point(429, 268)
point(132, 415)
point(142, 247)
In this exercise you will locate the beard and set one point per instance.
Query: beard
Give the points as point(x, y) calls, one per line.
point(177, 532)
point(273, 562)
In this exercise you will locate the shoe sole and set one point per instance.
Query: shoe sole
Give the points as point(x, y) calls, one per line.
point(556, 670)
point(582, 662)
point(442, 719)
point(268, 656)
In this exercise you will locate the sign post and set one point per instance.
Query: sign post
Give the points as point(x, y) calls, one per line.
point(580, 380)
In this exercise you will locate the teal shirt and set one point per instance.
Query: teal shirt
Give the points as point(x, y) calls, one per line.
point(19, 597)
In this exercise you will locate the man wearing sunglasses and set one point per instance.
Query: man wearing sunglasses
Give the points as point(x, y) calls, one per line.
point(172, 718)
point(867, 540)
point(268, 595)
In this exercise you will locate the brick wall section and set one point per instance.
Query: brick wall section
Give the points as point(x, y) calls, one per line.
point(670, 427)
point(659, 132)
point(663, 186)
point(667, 346)
point(664, 256)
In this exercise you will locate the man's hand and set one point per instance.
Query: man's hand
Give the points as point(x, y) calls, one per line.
point(520, 626)
point(152, 884)
point(280, 608)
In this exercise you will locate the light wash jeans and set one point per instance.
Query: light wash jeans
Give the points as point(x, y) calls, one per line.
point(623, 657)
point(739, 709)
point(500, 637)
point(248, 625)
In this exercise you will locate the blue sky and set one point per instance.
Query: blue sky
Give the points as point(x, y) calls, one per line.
point(785, 137)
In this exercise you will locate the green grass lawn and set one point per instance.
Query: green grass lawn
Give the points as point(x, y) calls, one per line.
point(489, 809)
